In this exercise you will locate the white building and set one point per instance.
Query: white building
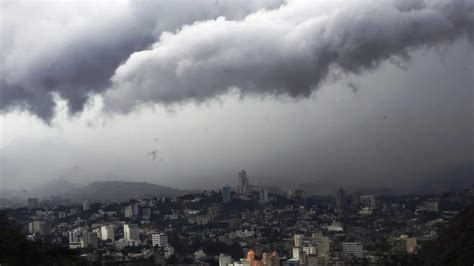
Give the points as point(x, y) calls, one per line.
point(352, 250)
point(310, 250)
point(368, 201)
point(298, 240)
point(107, 233)
point(131, 232)
point(160, 240)
point(224, 260)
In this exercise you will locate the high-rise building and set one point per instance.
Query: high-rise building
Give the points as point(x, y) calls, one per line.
point(298, 240)
point(355, 202)
point(85, 205)
point(296, 253)
point(128, 211)
point(226, 194)
point(146, 213)
point(322, 246)
point(368, 201)
point(244, 187)
point(135, 209)
point(264, 196)
point(131, 232)
point(160, 240)
point(340, 199)
point(352, 250)
point(39, 227)
point(89, 240)
point(107, 233)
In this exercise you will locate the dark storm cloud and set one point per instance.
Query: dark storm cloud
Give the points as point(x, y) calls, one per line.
point(286, 51)
point(46, 53)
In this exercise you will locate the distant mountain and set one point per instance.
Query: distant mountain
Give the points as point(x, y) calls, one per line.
point(102, 191)
point(329, 189)
point(54, 187)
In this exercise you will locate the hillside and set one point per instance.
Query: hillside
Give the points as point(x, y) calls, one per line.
point(454, 245)
point(119, 191)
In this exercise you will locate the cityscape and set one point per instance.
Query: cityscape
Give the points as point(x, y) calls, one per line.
point(237, 132)
point(244, 225)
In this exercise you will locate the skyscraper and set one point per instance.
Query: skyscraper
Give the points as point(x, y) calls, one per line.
point(264, 196)
point(85, 205)
point(244, 187)
point(340, 199)
point(226, 193)
point(131, 232)
point(107, 232)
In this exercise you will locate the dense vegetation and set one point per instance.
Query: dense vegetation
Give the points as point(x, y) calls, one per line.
point(15, 249)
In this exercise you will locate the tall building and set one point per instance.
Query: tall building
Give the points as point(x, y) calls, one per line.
point(322, 246)
point(85, 205)
point(131, 232)
point(352, 250)
point(264, 196)
point(298, 240)
point(146, 213)
point(340, 199)
point(128, 211)
point(160, 240)
point(89, 240)
point(107, 232)
point(368, 201)
point(355, 202)
point(135, 209)
point(226, 194)
point(244, 187)
point(39, 227)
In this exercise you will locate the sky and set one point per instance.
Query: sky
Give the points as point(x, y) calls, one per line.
point(185, 94)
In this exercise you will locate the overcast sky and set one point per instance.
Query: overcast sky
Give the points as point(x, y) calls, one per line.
point(186, 95)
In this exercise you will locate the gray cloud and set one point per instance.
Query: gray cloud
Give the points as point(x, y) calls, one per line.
point(285, 51)
point(72, 49)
